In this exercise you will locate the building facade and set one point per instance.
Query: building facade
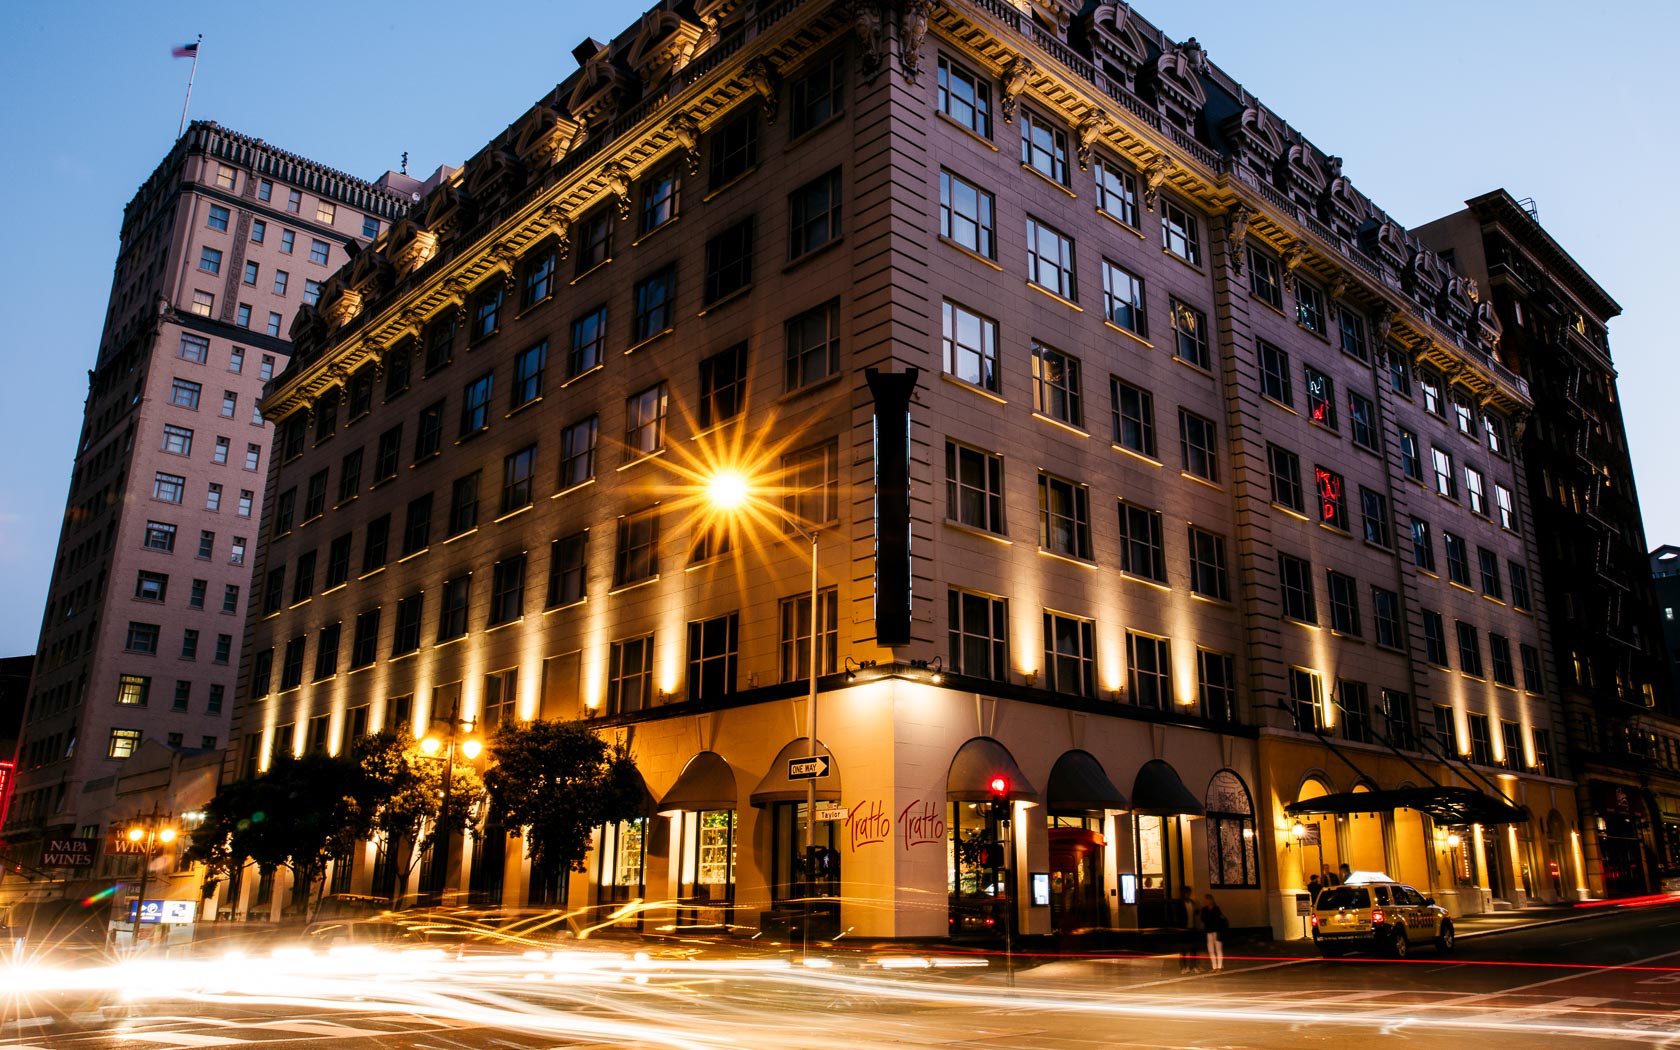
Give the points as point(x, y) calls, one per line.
point(1602, 628)
point(141, 635)
point(1199, 551)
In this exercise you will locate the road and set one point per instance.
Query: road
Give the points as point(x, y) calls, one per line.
point(1613, 979)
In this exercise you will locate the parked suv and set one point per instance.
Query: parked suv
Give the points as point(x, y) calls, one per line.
point(1388, 916)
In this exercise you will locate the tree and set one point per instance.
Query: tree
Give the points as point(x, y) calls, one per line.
point(555, 782)
point(406, 793)
point(300, 813)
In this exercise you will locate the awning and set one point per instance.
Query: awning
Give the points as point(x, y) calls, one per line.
point(1158, 792)
point(976, 763)
point(706, 782)
point(1445, 805)
point(776, 787)
point(1077, 782)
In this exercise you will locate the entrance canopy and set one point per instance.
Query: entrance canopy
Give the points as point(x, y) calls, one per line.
point(1077, 782)
point(976, 763)
point(776, 787)
point(1445, 805)
point(706, 782)
point(1158, 792)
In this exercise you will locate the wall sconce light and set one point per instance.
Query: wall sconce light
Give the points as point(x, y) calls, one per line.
point(1297, 834)
point(934, 667)
point(851, 669)
point(1453, 840)
point(1031, 678)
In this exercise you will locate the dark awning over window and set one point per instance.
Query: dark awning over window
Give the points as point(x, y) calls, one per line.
point(1158, 792)
point(974, 766)
point(776, 787)
point(1445, 805)
point(1077, 782)
point(706, 782)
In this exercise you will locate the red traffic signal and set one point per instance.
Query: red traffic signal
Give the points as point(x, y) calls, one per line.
point(1000, 787)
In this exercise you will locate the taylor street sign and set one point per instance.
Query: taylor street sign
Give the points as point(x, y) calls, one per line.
point(68, 853)
point(833, 812)
point(813, 768)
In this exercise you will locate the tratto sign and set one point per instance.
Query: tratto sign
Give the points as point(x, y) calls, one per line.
point(69, 853)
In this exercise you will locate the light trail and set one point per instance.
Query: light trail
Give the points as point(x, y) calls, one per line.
point(635, 999)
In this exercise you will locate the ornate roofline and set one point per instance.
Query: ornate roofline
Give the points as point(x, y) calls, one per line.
point(1500, 207)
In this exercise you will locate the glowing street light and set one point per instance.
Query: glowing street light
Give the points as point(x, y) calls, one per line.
point(728, 490)
point(458, 735)
point(153, 831)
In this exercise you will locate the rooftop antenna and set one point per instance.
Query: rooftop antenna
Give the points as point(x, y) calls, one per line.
point(405, 162)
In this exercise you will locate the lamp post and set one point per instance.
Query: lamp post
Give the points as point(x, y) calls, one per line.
point(152, 831)
point(727, 491)
point(460, 736)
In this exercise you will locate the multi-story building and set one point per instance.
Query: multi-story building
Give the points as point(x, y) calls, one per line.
point(1213, 545)
point(141, 635)
point(1601, 628)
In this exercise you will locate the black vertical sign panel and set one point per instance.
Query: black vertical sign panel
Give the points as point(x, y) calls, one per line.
point(892, 392)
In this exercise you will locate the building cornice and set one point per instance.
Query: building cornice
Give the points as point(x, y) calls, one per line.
point(1498, 208)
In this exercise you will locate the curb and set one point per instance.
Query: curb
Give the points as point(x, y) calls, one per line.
point(1596, 914)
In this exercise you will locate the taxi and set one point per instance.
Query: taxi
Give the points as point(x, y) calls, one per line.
point(1370, 911)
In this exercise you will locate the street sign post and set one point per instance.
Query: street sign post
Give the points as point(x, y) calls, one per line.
point(832, 812)
point(813, 767)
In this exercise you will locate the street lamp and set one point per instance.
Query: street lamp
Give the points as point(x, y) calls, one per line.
point(153, 831)
point(728, 491)
point(457, 736)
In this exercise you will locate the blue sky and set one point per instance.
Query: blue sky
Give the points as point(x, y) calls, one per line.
point(1429, 102)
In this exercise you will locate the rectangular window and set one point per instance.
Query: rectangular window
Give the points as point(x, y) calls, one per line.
point(577, 452)
point(486, 311)
point(1542, 752)
point(338, 561)
point(1469, 649)
point(1489, 564)
point(1362, 421)
point(630, 676)
point(203, 303)
point(428, 434)
point(528, 374)
point(364, 649)
point(1198, 443)
point(967, 215)
point(195, 599)
point(475, 404)
point(218, 218)
point(1423, 549)
point(1265, 278)
point(1064, 517)
point(1354, 701)
point(177, 440)
point(637, 557)
point(1503, 499)
point(655, 304)
point(1141, 550)
point(1344, 603)
point(1429, 381)
point(417, 525)
point(259, 231)
point(518, 470)
point(463, 504)
point(1520, 598)
point(1208, 576)
point(1309, 308)
point(326, 652)
point(974, 488)
point(185, 393)
point(210, 260)
point(288, 238)
point(507, 590)
point(814, 215)
point(1399, 373)
point(1445, 482)
point(1044, 147)
point(1476, 489)
point(979, 635)
point(387, 454)
point(170, 488)
point(1458, 558)
point(1149, 669)
point(661, 193)
point(273, 328)
point(1411, 461)
point(160, 536)
point(318, 251)
point(1134, 417)
point(1332, 501)
point(567, 569)
point(1373, 513)
point(965, 97)
point(439, 339)
point(134, 690)
point(406, 637)
point(236, 360)
point(1050, 262)
point(142, 637)
point(236, 554)
point(1190, 332)
point(376, 543)
point(795, 634)
point(1117, 192)
point(813, 345)
point(1181, 232)
point(1434, 638)
point(712, 648)
point(230, 598)
point(537, 276)
point(452, 614)
point(349, 476)
point(123, 743)
point(1070, 655)
point(811, 477)
point(1216, 685)
point(589, 341)
point(723, 385)
point(1499, 652)
point(315, 496)
point(1385, 612)
point(817, 96)
point(243, 318)
point(1056, 385)
point(1481, 740)
point(399, 368)
point(1296, 582)
point(1286, 479)
point(1123, 299)
point(151, 586)
point(1306, 696)
point(734, 146)
point(1399, 720)
point(1532, 680)
point(197, 349)
point(251, 272)
point(1275, 380)
point(1353, 334)
point(592, 240)
point(370, 227)
point(1321, 398)
point(303, 577)
point(644, 422)
point(970, 344)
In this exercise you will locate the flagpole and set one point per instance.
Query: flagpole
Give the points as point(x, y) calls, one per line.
point(190, 76)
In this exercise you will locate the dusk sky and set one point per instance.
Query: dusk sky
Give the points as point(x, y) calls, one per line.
point(1429, 103)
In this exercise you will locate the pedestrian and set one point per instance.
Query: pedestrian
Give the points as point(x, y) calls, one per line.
point(1214, 924)
point(1314, 888)
point(1192, 923)
point(1347, 873)
point(1330, 878)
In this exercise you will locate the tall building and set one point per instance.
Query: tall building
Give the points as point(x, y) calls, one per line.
point(1158, 480)
point(1602, 631)
point(145, 611)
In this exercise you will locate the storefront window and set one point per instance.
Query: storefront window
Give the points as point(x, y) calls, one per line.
point(623, 854)
point(971, 831)
point(1233, 860)
point(709, 855)
point(787, 879)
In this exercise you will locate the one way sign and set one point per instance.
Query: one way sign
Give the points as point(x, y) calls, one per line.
point(813, 768)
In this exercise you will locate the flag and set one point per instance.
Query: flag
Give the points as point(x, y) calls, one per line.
point(185, 51)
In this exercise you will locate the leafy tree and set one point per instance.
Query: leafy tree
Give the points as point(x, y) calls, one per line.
point(406, 797)
point(556, 781)
point(300, 813)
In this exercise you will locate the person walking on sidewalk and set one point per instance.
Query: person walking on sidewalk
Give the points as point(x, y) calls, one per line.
point(1192, 923)
point(1214, 924)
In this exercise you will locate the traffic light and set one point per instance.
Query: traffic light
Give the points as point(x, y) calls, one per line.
point(991, 856)
point(1000, 798)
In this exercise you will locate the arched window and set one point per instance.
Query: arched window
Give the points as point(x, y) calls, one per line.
point(1233, 860)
